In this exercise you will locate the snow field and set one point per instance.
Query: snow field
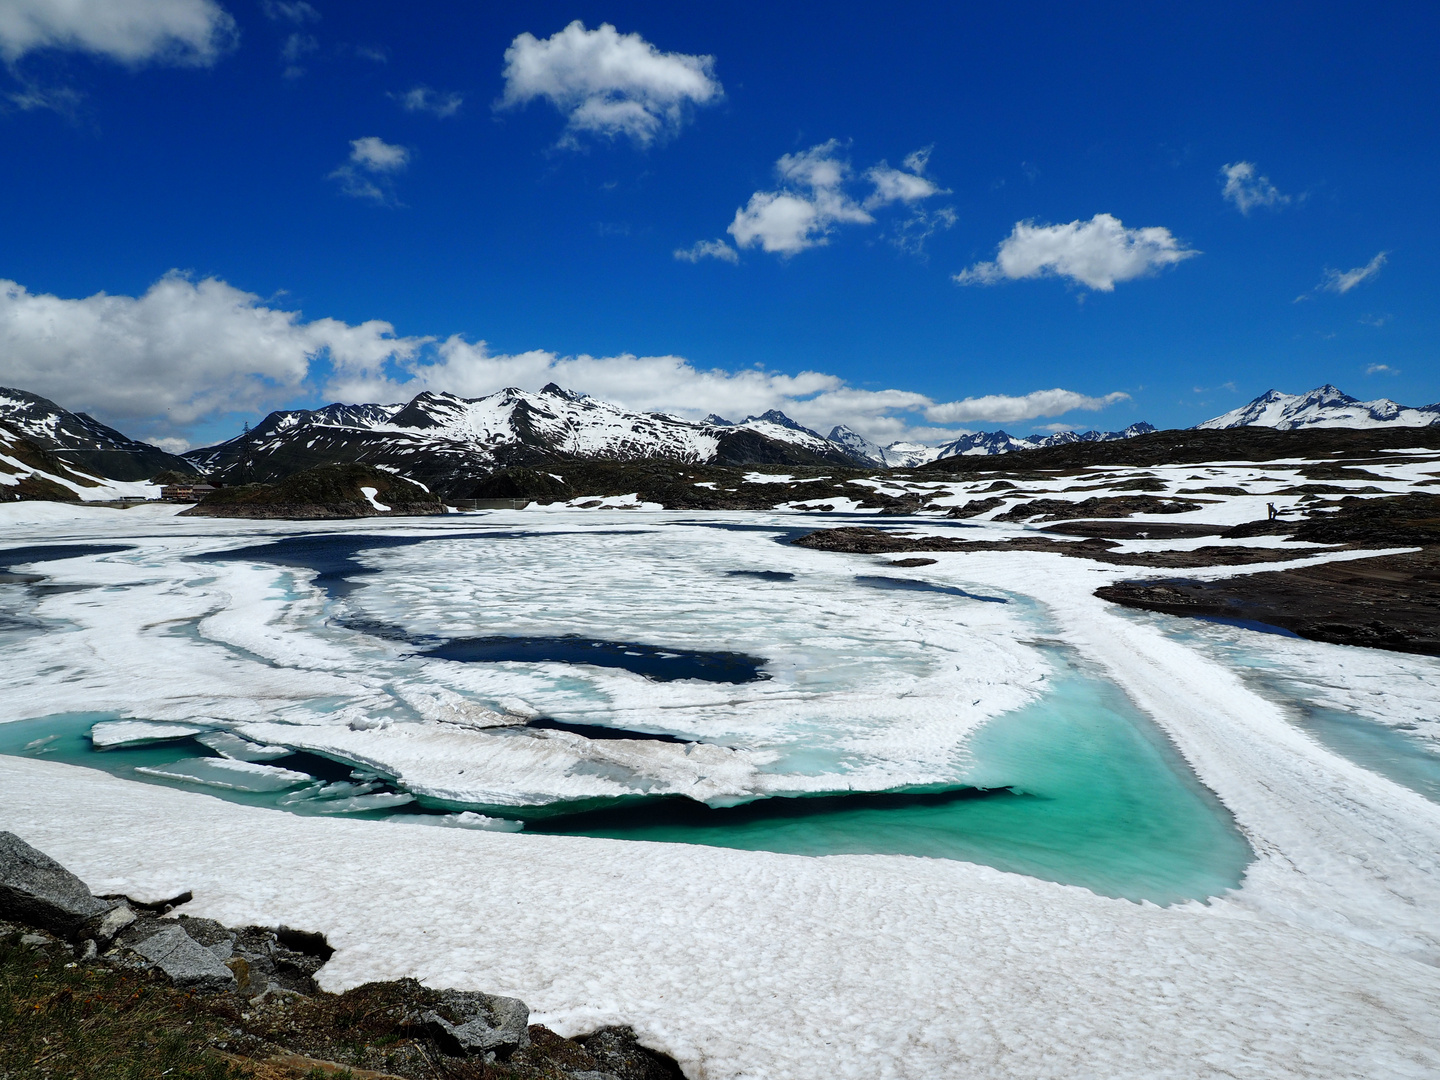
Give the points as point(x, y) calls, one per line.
point(749, 964)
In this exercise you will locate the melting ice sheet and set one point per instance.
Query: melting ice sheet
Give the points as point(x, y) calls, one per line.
point(924, 719)
point(1077, 787)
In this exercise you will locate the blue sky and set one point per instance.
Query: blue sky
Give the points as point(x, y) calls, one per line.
point(312, 168)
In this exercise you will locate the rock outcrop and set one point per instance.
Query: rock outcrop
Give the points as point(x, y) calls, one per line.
point(38, 891)
point(246, 997)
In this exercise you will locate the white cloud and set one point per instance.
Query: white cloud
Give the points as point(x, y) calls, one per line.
point(1247, 189)
point(1381, 369)
point(297, 12)
point(423, 99)
point(908, 185)
point(812, 200)
point(134, 32)
point(708, 249)
point(188, 351)
point(998, 408)
point(372, 164)
point(1342, 281)
point(1095, 253)
point(182, 352)
point(607, 83)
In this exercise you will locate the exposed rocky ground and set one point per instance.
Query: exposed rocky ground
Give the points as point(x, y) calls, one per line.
point(690, 487)
point(867, 541)
point(326, 491)
point(94, 987)
point(1190, 446)
point(1390, 602)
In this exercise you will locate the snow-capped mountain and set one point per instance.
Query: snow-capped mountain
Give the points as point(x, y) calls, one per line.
point(1325, 406)
point(450, 443)
point(81, 440)
point(904, 455)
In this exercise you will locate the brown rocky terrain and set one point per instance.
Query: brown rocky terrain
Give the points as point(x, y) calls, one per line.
point(1388, 602)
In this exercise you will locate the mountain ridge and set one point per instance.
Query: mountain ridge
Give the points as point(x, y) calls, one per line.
point(1326, 406)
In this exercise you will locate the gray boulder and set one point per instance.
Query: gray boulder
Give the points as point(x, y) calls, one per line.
point(466, 1023)
point(38, 891)
point(185, 962)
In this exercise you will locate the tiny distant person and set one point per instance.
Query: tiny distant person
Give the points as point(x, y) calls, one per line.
point(1273, 512)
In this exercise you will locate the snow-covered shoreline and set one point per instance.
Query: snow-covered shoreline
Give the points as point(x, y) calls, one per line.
point(750, 964)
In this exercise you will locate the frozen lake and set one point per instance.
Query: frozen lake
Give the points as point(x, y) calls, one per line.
point(559, 688)
point(665, 677)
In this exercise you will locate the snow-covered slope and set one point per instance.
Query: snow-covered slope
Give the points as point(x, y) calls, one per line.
point(1325, 406)
point(29, 471)
point(81, 440)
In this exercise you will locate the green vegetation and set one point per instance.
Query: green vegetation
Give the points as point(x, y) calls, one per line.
point(62, 1019)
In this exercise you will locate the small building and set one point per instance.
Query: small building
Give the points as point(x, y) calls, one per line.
point(185, 492)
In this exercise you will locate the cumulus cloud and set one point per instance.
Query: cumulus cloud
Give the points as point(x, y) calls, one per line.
point(1247, 189)
point(607, 83)
point(708, 249)
point(423, 99)
point(1342, 281)
point(999, 408)
point(812, 199)
point(184, 351)
point(190, 351)
point(1381, 369)
point(372, 165)
point(1095, 253)
point(133, 32)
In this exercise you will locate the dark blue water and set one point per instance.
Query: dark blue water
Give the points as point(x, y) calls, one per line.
point(18, 556)
point(657, 664)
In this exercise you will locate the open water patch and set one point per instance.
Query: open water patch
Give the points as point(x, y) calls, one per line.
point(19, 556)
point(1407, 759)
point(317, 784)
point(1384, 750)
point(762, 575)
point(1079, 787)
point(914, 585)
point(653, 662)
point(602, 733)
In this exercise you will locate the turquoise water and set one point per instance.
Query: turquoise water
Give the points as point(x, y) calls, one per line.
point(1079, 788)
point(66, 738)
point(1391, 753)
point(1395, 754)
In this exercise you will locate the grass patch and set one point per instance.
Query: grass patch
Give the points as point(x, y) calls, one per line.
point(62, 1019)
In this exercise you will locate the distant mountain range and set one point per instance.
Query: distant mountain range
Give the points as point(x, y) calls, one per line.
point(451, 444)
point(904, 455)
point(1325, 406)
